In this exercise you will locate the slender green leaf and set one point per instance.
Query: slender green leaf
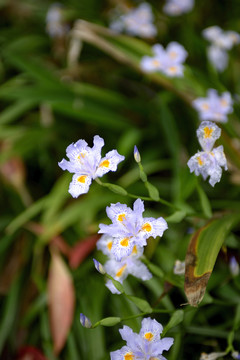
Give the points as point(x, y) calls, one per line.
point(202, 253)
point(26, 215)
point(16, 110)
point(176, 318)
point(152, 190)
point(143, 305)
point(9, 311)
point(176, 217)
point(205, 203)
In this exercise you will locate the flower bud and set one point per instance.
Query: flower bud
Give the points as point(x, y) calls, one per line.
point(85, 321)
point(234, 266)
point(137, 156)
point(99, 267)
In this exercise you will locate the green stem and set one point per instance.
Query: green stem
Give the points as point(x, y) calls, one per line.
point(162, 311)
point(146, 198)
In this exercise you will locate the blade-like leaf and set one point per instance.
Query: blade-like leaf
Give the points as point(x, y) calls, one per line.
point(175, 319)
point(143, 305)
point(202, 253)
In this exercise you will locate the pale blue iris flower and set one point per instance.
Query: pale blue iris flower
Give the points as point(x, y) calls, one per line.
point(208, 162)
point(137, 22)
point(169, 61)
point(221, 41)
point(143, 346)
point(178, 7)
point(87, 164)
point(129, 228)
point(129, 265)
point(214, 107)
point(55, 25)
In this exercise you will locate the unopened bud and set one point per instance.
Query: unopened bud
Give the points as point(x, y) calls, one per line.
point(84, 320)
point(137, 156)
point(234, 266)
point(99, 267)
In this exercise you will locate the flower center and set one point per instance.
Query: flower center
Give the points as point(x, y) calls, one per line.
point(147, 227)
point(121, 217)
point(81, 156)
point(134, 250)
point(200, 162)
point(207, 132)
point(173, 55)
point(105, 163)
point(148, 336)
point(124, 242)
point(109, 245)
point(173, 69)
point(82, 179)
point(129, 356)
point(223, 102)
point(121, 270)
point(205, 106)
point(156, 62)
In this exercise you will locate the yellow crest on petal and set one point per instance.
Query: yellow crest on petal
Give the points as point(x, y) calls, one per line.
point(105, 163)
point(200, 162)
point(148, 336)
point(147, 227)
point(129, 356)
point(82, 179)
point(124, 242)
point(121, 270)
point(207, 132)
point(121, 217)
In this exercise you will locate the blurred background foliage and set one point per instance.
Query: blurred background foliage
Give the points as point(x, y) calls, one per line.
point(49, 99)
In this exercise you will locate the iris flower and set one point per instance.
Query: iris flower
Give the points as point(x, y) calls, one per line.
point(220, 42)
point(87, 164)
point(129, 265)
point(137, 22)
point(146, 345)
point(169, 61)
point(208, 162)
point(130, 228)
point(214, 107)
point(177, 7)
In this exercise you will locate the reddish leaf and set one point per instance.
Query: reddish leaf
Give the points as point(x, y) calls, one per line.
point(81, 250)
point(13, 172)
point(57, 241)
point(61, 299)
point(12, 264)
point(30, 353)
point(60, 243)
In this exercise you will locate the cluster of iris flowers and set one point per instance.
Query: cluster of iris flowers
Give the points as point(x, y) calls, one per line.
point(220, 42)
point(210, 161)
point(123, 241)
